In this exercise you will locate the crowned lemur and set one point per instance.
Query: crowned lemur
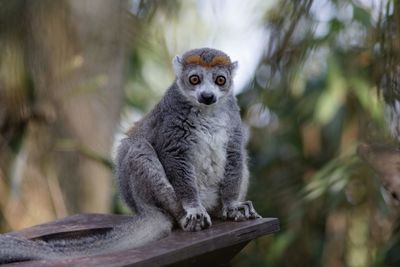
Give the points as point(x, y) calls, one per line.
point(183, 163)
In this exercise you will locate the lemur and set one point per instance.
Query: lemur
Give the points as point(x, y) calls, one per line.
point(184, 163)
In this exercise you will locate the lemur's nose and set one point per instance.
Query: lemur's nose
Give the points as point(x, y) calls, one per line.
point(207, 98)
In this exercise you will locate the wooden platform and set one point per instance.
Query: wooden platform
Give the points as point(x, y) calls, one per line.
point(215, 246)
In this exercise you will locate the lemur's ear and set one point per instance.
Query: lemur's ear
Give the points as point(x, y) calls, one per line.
point(233, 68)
point(177, 63)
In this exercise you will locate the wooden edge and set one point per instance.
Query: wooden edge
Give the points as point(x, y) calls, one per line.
point(225, 234)
point(177, 247)
point(217, 258)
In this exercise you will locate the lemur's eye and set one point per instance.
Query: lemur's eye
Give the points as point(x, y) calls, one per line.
point(220, 80)
point(194, 79)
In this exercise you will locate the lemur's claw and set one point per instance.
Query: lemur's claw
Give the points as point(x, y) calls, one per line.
point(240, 211)
point(196, 219)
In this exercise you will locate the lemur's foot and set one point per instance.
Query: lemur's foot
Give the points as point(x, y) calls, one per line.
point(196, 219)
point(240, 211)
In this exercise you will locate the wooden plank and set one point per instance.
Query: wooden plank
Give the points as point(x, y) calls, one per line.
point(222, 241)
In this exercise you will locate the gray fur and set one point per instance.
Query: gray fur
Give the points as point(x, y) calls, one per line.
point(180, 164)
point(139, 231)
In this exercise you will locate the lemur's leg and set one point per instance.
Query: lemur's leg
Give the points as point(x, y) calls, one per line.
point(142, 180)
point(235, 182)
point(181, 174)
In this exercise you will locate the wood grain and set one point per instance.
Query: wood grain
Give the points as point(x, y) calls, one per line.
point(212, 247)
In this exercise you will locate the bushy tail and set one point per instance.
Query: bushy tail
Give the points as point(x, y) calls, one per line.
point(142, 229)
point(13, 248)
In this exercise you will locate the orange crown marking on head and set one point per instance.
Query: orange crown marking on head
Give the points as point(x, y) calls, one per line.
point(220, 60)
point(217, 60)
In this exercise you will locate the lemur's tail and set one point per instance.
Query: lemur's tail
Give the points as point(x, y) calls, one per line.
point(142, 229)
point(13, 248)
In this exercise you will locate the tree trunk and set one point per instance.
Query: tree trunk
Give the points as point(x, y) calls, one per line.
point(74, 54)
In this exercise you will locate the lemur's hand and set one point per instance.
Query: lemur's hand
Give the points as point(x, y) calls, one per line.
point(239, 211)
point(195, 219)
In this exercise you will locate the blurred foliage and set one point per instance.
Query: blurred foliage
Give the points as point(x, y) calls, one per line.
point(319, 89)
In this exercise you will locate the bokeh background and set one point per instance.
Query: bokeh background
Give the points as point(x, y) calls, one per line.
point(75, 75)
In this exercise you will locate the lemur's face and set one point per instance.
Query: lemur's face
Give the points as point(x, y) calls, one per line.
point(206, 86)
point(204, 75)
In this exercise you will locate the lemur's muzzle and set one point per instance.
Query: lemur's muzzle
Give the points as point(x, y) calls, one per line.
point(207, 98)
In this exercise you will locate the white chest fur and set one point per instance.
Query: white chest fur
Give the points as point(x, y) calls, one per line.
point(210, 159)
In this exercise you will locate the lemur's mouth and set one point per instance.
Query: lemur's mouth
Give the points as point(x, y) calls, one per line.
point(207, 102)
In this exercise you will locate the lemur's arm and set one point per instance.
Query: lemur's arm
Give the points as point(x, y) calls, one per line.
point(235, 181)
point(181, 175)
point(230, 186)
